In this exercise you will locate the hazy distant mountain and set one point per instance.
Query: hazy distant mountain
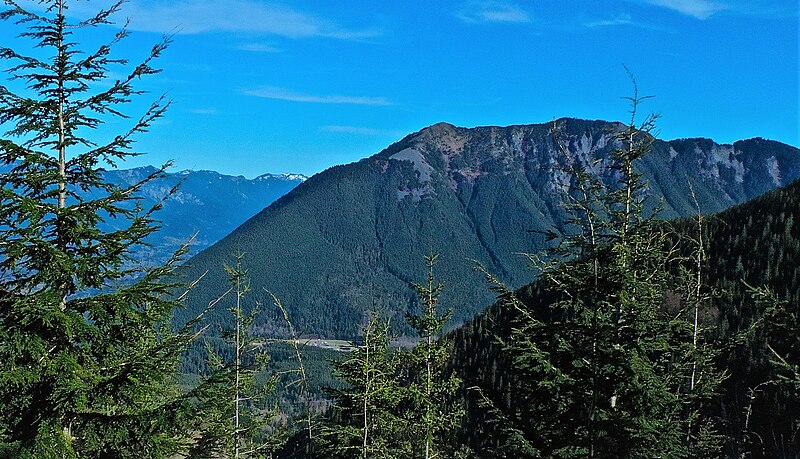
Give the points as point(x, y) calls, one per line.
point(207, 204)
point(353, 236)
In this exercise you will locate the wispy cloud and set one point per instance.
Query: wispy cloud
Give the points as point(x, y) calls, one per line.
point(620, 19)
point(204, 16)
point(258, 48)
point(476, 12)
point(355, 130)
point(203, 111)
point(269, 92)
point(700, 9)
point(201, 16)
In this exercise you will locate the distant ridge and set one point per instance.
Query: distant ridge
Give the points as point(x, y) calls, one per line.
point(208, 205)
point(353, 237)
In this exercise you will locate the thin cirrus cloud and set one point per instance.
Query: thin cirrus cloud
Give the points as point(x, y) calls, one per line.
point(477, 12)
point(355, 130)
point(204, 16)
point(618, 20)
point(203, 111)
point(269, 92)
point(699, 9)
point(258, 48)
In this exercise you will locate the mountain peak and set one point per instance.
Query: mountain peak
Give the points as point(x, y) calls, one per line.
point(436, 131)
point(481, 193)
point(285, 176)
point(441, 125)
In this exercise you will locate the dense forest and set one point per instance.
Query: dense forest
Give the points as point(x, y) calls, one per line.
point(747, 249)
point(639, 338)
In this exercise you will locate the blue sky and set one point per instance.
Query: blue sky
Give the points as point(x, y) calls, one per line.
point(299, 86)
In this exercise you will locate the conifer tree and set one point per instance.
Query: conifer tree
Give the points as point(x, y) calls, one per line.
point(365, 422)
point(695, 349)
point(87, 354)
point(299, 377)
point(398, 403)
point(234, 417)
point(779, 327)
point(602, 369)
point(431, 387)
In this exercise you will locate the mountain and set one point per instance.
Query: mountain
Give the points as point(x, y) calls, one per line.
point(756, 244)
point(207, 204)
point(353, 237)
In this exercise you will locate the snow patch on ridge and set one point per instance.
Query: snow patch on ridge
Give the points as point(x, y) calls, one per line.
point(288, 177)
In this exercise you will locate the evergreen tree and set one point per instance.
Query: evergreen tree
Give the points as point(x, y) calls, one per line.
point(365, 422)
point(233, 416)
point(431, 387)
point(603, 369)
point(299, 377)
point(398, 403)
point(87, 355)
point(779, 331)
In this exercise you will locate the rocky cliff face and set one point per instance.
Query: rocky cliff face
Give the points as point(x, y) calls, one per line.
point(464, 157)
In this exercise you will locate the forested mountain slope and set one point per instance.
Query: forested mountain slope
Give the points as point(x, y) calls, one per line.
point(353, 237)
point(755, 244)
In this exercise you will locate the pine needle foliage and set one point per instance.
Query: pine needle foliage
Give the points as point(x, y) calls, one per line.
point(398, 403)
point(430, 386)
point(234, 416)
point(604, 370)
point(87, 355)
point(365, 422)
point(779, 328)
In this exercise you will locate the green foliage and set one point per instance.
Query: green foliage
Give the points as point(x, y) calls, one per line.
point(756, 244)
point(400, 402)
point(87, 357)
point(234, 419)
point(782, 328)
point(595, 367)
point(365, 422)
point(757, 410)
point(430, 385)
point(772, 386)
